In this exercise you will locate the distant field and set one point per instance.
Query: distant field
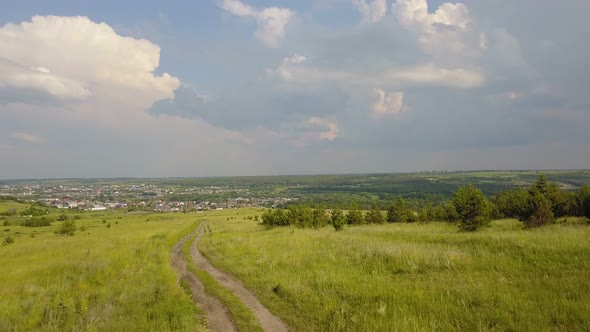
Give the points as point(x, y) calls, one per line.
point(113, 276)
point(9, 205)
point(407, 277)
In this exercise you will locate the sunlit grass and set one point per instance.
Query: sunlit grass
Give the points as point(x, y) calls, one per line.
point(100, 279)
point(402, 277)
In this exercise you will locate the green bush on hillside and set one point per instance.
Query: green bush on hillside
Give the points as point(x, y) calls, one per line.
point(68, 227)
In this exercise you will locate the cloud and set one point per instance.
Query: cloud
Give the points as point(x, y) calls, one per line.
point(73, 58)
point(331, 128)
point(271, 21)
point(429, 74)
point(28, 138)
point(371, 11)
point(16, 77)
point(388, 104)
point(445, 33)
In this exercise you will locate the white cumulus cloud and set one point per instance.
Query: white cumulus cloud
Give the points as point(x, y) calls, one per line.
point(387, 104)
point(73, 57)
point(443, 32)
point(271, 21)
point(40, 79)
point(371, 11)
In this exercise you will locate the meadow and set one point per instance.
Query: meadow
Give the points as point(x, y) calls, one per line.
point(410, 277)
point(113, 274)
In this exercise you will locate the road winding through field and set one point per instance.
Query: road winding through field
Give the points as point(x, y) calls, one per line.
point(216, 316)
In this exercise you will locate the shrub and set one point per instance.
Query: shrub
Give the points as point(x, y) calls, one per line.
point(337, 219)
point(542, 213)
point(68, 227)
point(275, 217)
point(398, 211)
point(374, 215)
point(37, 222)
point(8, 240)
point(34, 211)
point(62, 217)
point(354, 217)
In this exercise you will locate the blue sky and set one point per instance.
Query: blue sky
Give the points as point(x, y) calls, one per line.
point(246, 87)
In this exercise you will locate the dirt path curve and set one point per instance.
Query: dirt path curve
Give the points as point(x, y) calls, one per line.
point(218, 318)
point(268, 321)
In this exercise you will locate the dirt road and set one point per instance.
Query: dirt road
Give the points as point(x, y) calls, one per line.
point(218, 318)
point(268, 321)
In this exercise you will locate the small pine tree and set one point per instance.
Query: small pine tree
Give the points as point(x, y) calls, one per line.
point(354, 217)
point(472, 208)
point(542, 214)
point(541, 185)
point(337, 219)
point(374, 215)
point(398, 211)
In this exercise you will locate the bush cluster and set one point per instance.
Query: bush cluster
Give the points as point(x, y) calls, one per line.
point(37, 222)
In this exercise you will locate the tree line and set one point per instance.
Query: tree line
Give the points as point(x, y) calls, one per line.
point(541, 203)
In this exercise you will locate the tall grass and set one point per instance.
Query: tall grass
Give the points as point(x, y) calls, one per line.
point(406, 277)
point(100, 279)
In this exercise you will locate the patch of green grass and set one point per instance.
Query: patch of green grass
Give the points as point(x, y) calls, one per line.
point(244, 319)
point(400, 277)
point(98, 279)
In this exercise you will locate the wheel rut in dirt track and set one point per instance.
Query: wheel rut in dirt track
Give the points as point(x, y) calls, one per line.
point(267, 320)
point(218, 317)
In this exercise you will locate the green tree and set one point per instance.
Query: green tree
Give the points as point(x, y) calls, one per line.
point(374, 215)
point(320, 217)
point(337, 219)
point(275, 217)
point(472, 208)
point(542, 213)
point(354, 217)
point(398, 211)
point(514, 203)
point(583, 201)
point(541, 185)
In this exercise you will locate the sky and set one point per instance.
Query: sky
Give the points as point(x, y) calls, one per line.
point(258, 87)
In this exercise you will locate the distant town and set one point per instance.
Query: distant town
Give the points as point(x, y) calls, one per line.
point(139, 197)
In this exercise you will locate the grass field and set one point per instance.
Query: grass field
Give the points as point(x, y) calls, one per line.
point(115, 278)
point(393, 277)
point(408, 277)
